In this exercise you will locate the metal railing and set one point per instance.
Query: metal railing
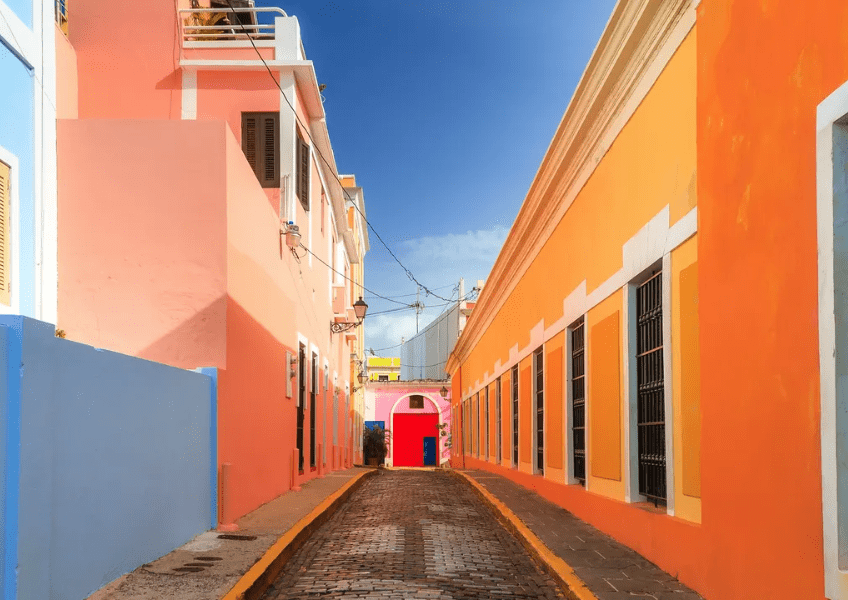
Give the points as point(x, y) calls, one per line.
point(225, 24)
point(61, 13)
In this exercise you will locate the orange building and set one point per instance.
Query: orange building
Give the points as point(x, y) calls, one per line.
point(204, 222)
point(662, 340)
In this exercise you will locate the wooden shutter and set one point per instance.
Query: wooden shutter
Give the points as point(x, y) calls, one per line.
point(260, 141)
point(303, 172)
point(5, 236)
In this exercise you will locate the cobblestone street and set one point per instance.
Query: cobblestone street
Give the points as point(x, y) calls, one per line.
point(412, 534)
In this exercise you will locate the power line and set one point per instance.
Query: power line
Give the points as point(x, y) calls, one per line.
point(326, 162)
point(373, 293)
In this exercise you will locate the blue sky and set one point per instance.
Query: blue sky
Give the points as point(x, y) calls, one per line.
point(443, 111)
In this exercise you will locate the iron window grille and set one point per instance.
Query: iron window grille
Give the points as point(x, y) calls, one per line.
point(313, 391)
point(539, 360)
point(498, 420)
point(578, 400)
point(650, 408)
point(515, 416)
point(486, 432)
point(300, 405)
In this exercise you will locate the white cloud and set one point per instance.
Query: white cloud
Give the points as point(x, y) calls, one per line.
point(436, 261)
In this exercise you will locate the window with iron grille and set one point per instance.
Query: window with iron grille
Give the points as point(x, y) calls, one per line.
point(515, 416)
point(650, 409)
point(498, 421)
point(416, 401)
point(300, 404)
point(313, 391)
point(578, 401)
point(539, 361)
point(260, 141)
point(302, 184)
point(486, 430)
point(477, 424)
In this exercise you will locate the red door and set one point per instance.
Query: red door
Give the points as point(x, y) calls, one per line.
point(408, 438)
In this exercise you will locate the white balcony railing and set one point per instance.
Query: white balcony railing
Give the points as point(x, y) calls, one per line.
point(218, 25)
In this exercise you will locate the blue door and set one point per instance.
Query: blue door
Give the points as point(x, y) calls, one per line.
point(429, 452)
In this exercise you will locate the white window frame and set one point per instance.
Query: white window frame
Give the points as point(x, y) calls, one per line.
point(831, 121)
point(631, 439)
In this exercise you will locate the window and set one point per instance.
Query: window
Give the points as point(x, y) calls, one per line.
point(515, 416)
point(312, 409)
point(416, 401)
point(302, 187)
point(538, 359)
point(486, 433)
point(498, 421)
point(301, 401)
point(382, 378)
point(260, 140)
point(5, 235)
point(578, 401)
point(650, 403)
point(61, 10)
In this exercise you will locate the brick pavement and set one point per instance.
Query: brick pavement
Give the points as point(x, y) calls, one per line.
point(409, 535)
point(611, 570)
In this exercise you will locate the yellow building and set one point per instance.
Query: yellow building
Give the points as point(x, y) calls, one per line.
point(383, 369)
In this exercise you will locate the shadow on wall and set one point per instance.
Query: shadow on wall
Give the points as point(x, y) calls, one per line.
point(195, 342)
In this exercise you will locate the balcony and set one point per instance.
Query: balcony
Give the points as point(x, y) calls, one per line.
point(216, 27)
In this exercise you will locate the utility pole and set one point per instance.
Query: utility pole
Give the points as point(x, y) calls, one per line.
point(418, 308)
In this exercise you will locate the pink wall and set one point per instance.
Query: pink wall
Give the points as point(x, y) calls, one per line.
point(127, 59)
point(386, 397)
point(67, 92)
point(141, 238)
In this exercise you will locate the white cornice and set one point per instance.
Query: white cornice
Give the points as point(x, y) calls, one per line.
point(638, 42)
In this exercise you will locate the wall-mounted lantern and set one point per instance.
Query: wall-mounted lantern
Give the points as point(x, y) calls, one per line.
point(359, 309)
point(444, 392)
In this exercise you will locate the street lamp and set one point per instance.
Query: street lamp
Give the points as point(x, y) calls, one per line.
point(444, 392)
point(362, 377)
point(359, 309)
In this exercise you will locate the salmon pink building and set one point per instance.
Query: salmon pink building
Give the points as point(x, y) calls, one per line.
point(661, 345)
point(203, 223)
point(415, 413)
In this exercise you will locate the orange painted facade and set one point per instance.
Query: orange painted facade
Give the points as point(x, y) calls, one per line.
point(171, 249)
point(704, 174)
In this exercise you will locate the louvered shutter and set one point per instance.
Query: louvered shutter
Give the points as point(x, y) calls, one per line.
point(303, 172)
point(261, 144)
point(5, 236)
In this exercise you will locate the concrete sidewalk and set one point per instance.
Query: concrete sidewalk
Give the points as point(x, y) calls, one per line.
point(592, 564)
point(209, 566)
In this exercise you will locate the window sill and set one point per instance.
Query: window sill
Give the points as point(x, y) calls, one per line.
point(650, 508)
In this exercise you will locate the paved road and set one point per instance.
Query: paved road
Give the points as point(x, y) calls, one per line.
point(412, 534)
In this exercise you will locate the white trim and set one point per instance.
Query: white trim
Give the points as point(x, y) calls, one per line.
point(15, 231)
point(668, 389)
point(189, 95)
point(631, 383)
point(568, 408)
point(18, 37)
point(832, 387)
point(647, 246)
point(587, 393)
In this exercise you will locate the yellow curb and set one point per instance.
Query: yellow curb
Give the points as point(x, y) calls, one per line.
point(560, 569)
point(257, 579)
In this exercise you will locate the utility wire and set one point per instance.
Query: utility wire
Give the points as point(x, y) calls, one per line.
point(326, 162)
point(373, 293)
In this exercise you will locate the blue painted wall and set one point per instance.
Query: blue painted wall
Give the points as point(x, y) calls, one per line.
point(116, 461)
point(17, 135)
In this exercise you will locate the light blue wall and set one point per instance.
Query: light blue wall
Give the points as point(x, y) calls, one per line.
point(840, 281)
point(18, 137)
point(117, 462)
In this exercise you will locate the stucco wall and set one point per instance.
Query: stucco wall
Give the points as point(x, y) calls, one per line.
point(115, 456)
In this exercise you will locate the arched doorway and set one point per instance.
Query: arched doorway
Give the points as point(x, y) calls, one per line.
point(415, 432)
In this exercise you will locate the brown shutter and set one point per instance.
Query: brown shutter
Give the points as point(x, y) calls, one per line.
point(5, 236)
point(303, 172)
point(261, 144)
